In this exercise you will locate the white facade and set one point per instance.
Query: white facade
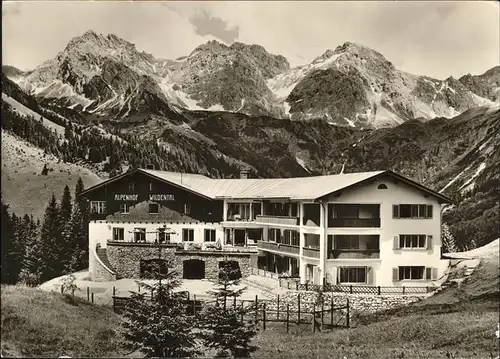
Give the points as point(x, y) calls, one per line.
point(100, 232)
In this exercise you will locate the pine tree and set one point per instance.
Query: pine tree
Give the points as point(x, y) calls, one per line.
point(8, 247)
point(33, 260)
point(222, 328)
point(75, 235)
point(159, 326)
point(51, 239)
point(45, 170)
point(66, 205)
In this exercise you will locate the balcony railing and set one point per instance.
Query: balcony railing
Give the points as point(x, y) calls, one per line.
point(278, 247)
point(354, 254)
point(354, 222)
point(311, 252)
point(268, 219)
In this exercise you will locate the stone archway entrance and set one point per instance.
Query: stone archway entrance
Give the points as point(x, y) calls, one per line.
point(193, 269)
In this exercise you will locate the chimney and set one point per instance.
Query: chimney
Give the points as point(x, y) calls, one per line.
point(244, 174)
point(150, 166)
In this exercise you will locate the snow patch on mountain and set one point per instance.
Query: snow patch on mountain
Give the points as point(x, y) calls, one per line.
point(302, 163)
point(282, 84)
point(469, 184)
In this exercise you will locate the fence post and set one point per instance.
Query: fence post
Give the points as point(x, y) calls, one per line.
point(287, 284)
point(287, 317)
point(114, 291)
point(256, 309)
point(114, 304)
point(350, 289)
point(403, 290)
point(331, 312)
point(62, 289)
point(88, 294)
point(194, 304)
point(378, 290)
point(348, 314)
point(92, 297)
point(322, 316)
point(264, 317)
point(314, 318)
point(298, 309)
point(234, 303)
point(138, 288)
point(73, 294)
point(296, 285)
point(278, 308)
point(307, 286)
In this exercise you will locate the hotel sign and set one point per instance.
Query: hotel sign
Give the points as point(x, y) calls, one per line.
point(161, 197)
point(126, 197)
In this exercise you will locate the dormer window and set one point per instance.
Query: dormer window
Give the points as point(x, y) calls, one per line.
point(382, 186)
point(187, 208)
point(131, 186)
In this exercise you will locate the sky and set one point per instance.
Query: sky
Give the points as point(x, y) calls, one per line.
point(437, 39)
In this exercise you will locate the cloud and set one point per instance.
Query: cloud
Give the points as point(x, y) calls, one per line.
point(206, 24)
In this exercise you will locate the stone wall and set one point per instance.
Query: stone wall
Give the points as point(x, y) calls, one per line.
point(125, 259)
point(97, 272)
point(212, 259)
point(358, 303)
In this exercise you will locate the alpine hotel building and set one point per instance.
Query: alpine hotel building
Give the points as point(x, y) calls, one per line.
point(371, 228)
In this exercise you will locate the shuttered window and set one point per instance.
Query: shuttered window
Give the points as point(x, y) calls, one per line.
point(352, 275)
point(411, 211)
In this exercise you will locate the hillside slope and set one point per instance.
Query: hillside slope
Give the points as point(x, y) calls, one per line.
point(40, 324)
point(24, 188)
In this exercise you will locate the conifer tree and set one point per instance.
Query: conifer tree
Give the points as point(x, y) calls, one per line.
point(77, 238)
point(51, 239)
point(8, 247)
point(33, 259)
point(66, 205)
point(222, 328)
point(159, 326)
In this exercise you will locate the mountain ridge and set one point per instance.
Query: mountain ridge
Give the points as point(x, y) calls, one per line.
point(106, 76)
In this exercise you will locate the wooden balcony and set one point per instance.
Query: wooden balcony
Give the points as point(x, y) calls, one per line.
point(293, 221)
point(354, 254)
point(311, 252)
point(278, 247)
point(354, 223)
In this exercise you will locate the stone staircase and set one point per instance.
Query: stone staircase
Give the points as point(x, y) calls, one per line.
point(101, 253)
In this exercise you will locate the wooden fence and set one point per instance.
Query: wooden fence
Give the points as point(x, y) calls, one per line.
point(364, 289)
point(292, 283)
point(263, 312)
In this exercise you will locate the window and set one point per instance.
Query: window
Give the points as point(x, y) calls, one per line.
point(382, 186)
point(118, 234)
point(188, 235)
point(164, 237)
point(412, 211)
point(124, 208)
point(150, 186)
point(411, 273)
point(209, 235)
point(347, 242)
point(291, 237)
point(274, 235)
point(154, 208)
point(187, 208)
point(98, 207)
point(139, 234)
point(412, 241)
point(131, 186)
point(352, 275)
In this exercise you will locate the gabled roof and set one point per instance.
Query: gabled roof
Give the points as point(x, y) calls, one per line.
point(301, 188)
